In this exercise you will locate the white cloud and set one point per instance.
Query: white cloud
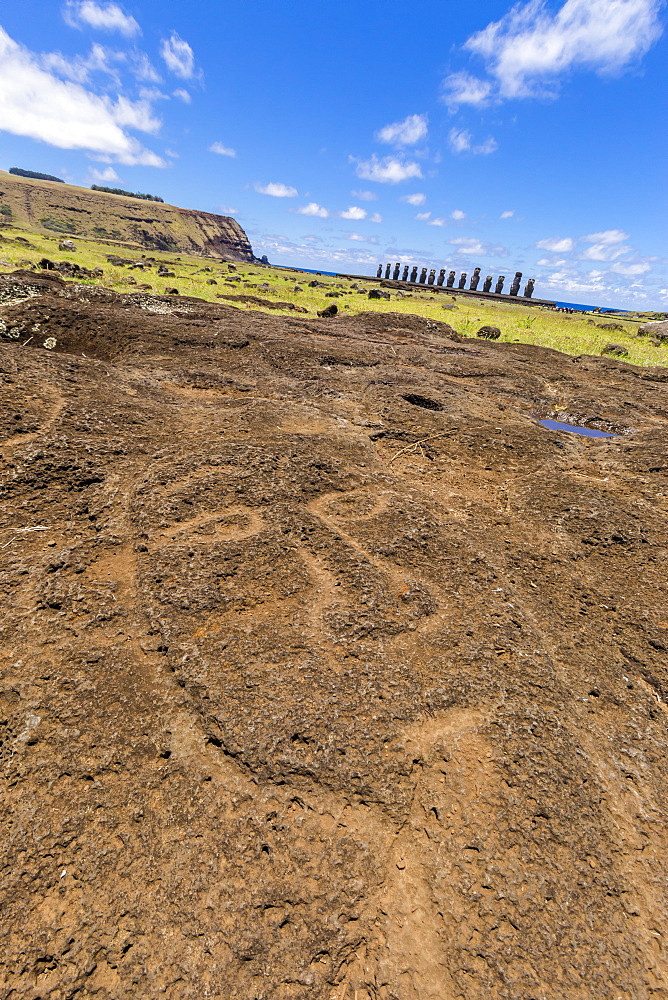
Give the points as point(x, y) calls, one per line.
point(548, 262)
point(556, 245)
point(506, 215)
point(277, 190)
point(228, 210)
point(404, 133)
point(217, 147)
point(365, 195)
point(631, 270)
point(461, 141)
point(414, 199)
point(475, 247)
point(184, 96)
point(376, 217)
point(314, 209)
point(388, 170)
point(605, 246)
point(362, 239)
point(436, 222)
point(457, 215)
point(178, 56)
point(104, 176)
point(423, 216)
point(462, 88)
point(531, 45)
point(489, 145)
point(36, 104)
point(105, 17)
point(353, 212)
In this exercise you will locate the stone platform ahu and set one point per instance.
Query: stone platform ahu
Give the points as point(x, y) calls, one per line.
point(429, 278)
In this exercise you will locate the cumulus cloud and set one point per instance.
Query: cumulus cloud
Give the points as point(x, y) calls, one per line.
point(414, 199)
point(531, 46)
point(507, 215)
point(404, 133)
point(387, 170)
point(184, 96)
point(314, 209)
point(376, 217)
point(178, 56)
point(72, 117)
point(277, 190)
point(365, 195)
point(463, 88)
point(457, 215)
point(104, 176)
point(436, 222)
point(556, 245)
point(104, 17)
point(353, 212)
point(631, 270)
point(217, 147)
point(605, 246)
point(469, 245)
point(423, 216)
point(362, 239)
point(461, 141)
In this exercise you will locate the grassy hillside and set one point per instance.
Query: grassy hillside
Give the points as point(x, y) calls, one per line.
point(572, 334)
point(48, 207)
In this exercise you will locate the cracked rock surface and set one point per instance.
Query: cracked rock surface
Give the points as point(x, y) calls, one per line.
point(326, 672)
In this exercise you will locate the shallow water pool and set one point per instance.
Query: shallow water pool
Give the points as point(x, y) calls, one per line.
point(556, 425)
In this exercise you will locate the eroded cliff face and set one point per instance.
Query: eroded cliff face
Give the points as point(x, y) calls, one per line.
point(326, 672)
point(43, 205)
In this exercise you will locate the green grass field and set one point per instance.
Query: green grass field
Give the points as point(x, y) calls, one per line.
point(573, 334)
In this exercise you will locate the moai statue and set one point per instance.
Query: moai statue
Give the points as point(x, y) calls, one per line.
point(528, 288)
point(441, 277)
point(395, 273)
point(451, 280)
point(423, 275)
point(387, 270)
point(432, 277)
point(404, 276)
point(488, 283)
point(379, 273)
point(499, 284)
point(462, 280)
point(475, 278)
point(515, 287)
point(414, 274)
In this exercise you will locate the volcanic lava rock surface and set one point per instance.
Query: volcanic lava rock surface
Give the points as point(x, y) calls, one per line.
point(325, 671)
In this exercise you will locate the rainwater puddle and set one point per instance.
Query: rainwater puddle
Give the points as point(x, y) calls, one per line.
point(556, 425)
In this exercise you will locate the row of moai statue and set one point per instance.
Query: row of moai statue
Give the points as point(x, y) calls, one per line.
point(431, 279)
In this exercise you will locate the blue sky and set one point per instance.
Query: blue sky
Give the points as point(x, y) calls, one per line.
point(340, 134)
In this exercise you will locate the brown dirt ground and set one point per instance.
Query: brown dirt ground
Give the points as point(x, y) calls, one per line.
point(325, 671)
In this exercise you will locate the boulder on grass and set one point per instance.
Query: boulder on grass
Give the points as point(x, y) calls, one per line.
point(657, 328)
point(377, 293)
point(329, 311)
point(66, 245)
point(615, 350)
point(488, 333)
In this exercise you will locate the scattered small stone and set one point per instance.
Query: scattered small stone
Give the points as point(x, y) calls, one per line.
point(317, 284)
point(171, 291)
point(329, 311)
point(610, 326)
point(66, 245)
point(617, 350)
point(488, 333)
point(332, 295)
point(449, 307)
point(298, 288)
point(378, 293)
point(211, 281)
